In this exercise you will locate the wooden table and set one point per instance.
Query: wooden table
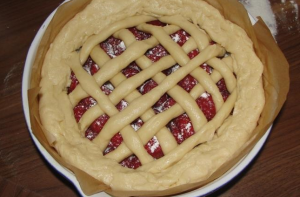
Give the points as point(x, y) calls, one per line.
point(24, 172)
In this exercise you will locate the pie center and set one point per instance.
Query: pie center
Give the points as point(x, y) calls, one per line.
point(179, 126)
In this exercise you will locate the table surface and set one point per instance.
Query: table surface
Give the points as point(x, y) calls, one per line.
point(24, 172)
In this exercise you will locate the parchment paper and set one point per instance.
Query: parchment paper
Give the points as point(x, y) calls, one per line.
point(275, 79)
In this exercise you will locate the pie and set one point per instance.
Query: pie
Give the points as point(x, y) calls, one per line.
point(148, 95)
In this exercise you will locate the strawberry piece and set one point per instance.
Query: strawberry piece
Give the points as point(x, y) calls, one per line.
point(99, 123)
point(181, 128)
point(74, 82)
point(79, 110)
point(94, 68)
point(96, 127)
point(156, 53)
point(113, 47)
point(131, 162)
point(90, 66)
point(164, 103)
point(121, 105)
point(193, 53)
point(147, 86)
point(139, 35)
point(188, 83)
point(107, 88)
point(115, 141)
point(131, 70)
point(154, 149)
point(223, 89)
point(171, 69)
point(207, 68)
point(180, 37)
point(137, 124)
point(157, 23)
point(83, 106)
point(207, 105)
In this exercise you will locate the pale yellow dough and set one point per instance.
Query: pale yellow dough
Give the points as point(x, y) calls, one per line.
point(222, 138)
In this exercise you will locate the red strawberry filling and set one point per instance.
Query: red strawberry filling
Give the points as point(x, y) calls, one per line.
point(180, 37)
point(223, 89)
point(156, 53)
point(131, 70)
point(113, 47)
point(206, 104)
point(74, 82)
point(181, 127)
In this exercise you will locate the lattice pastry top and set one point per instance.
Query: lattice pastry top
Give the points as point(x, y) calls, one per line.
point(153, 91)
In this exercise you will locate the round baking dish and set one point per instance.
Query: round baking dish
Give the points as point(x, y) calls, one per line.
point(205, 190)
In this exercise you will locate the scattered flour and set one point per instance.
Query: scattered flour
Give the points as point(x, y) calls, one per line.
point(287, 18)
point(176, 38)
point(263, 9)
point(122, 46)
point(296, 10)
point(109, 86)
point(205, 95)
point(111, 51)
point(155, 144)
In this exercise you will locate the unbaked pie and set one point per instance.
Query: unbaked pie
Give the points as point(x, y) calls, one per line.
point(148, 95)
